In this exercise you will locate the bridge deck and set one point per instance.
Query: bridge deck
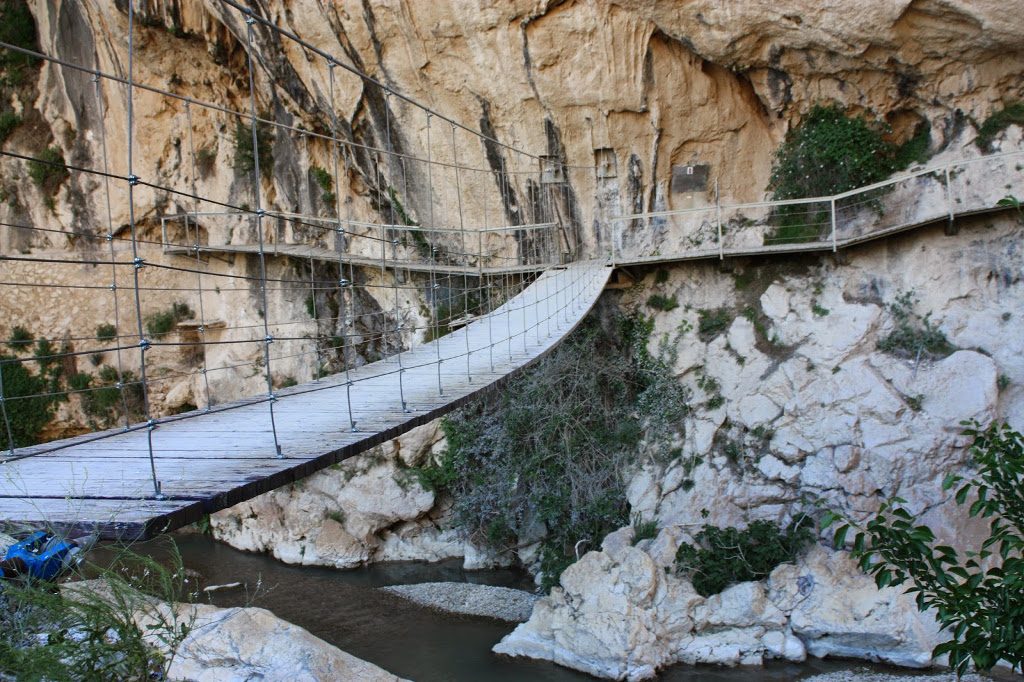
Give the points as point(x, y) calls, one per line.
point(211, 461)
point(320, 253)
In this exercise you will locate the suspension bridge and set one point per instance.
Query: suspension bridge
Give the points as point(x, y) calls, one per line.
point(408, 273)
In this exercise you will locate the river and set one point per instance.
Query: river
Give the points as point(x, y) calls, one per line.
point(345, 609)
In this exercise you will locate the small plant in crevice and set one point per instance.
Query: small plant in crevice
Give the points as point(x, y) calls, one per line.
point(326, 183)
point(914, 336)
point(48, 170)
point(712, 322)
point(17, 27)
point(20, 338)
point(662, 302)
point(161, 323)
point(106, 332)
point(818, 310)
point(246, 156)
point(8, 122)
point(722, 557)
point(1011, 114)
point(644, 529)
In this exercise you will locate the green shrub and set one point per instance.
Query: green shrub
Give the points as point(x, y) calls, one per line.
point(79, 381)
point(20, 338)
point(914, 336)
point(661, 302)
point(17, 27)
point(8, 122)
point(106, 332)
point(48, 171)
point(1011, 114)
point(830, 153)
point(93, 633)
point(105, 402)
point(162, 323)
point(724, 556)
point(245, 159)
point(712, 322)
point(977, 598)
point(28, 405)
point(550, 449)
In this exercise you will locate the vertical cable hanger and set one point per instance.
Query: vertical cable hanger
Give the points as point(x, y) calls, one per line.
point(101, 113)
point(137, 261)
point(260, 213)
point(199, 262)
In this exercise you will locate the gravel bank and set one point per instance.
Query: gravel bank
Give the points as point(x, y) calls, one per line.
point(502, 603)
point(861, 676)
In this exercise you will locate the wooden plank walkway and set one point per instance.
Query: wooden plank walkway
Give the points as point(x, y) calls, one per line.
point(319, 253)
point(207, 461)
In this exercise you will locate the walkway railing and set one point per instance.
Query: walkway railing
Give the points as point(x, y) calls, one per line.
point(937, 192)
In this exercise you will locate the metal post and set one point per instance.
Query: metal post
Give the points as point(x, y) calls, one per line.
point(832, 203)
point(465, 254)
point(949, 197)
point(718, 222)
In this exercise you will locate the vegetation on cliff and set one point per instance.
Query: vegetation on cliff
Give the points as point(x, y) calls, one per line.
point(830, 153)
point(545, 458)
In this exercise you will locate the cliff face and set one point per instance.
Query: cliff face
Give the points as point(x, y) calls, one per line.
point(804, 400)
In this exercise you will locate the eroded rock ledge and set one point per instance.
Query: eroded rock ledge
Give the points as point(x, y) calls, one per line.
point(621, 613)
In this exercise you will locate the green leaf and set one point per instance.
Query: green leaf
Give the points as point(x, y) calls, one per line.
point(839, 539)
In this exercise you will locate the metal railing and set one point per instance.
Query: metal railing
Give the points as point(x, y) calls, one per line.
point(934, 193)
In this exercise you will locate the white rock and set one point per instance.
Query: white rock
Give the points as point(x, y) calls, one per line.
point(775, 302)
point(837, 611)
point(775, 469)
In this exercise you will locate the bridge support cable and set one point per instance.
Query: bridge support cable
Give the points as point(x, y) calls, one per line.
point(144, 343)
point(257, 200)
point(110, 242)
point(201, 330)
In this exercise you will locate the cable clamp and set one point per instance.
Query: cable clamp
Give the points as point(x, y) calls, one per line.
point(144, 344)
point(272, 397)
point(250, 19)
point(133, 179)
point(138, 263)
point(151, 424)
point(343, 283)
point(201, 329)
point(260, 213)
point(331, 64)
point(113, 287)
point(268, 339)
